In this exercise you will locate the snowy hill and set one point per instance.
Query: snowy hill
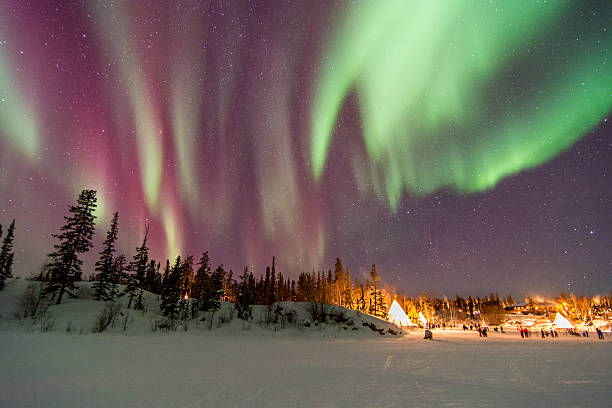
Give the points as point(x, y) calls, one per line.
point(284, 318)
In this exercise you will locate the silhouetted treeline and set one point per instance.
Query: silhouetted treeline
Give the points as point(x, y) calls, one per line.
point(188, 286)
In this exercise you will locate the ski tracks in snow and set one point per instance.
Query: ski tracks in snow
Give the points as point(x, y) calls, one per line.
point(524, 379)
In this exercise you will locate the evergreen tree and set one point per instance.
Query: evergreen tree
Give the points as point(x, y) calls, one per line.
point(171, 289)
point(7, 254)
point(186, 277)
point(377, 306)
point(347, 290)
point(185, 283)
point(131, 288)
point(2, 278)
point(119, 266)
point(152, 280)
point(361, 299)
point(104, 287)
point(214, 291)
point(139, 304)
point(138, 266)
point(272, 287)
point(266, 287)
point(244, 297)
point(339, 282)
point(74, 239)
point(199, 287)
point(137, 270)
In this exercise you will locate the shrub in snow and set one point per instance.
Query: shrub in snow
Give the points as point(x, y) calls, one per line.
point(318, 311)
point(107, 317)
point(338, 316)
point(46, 321)
point(32, 302)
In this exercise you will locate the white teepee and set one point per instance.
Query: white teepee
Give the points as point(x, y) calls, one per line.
point(422, 319)
point(398, 317)
point(562, 323)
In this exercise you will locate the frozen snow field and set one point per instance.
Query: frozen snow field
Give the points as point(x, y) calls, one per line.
point(267, 369)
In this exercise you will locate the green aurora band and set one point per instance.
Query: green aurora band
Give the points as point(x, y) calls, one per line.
point(459, 94)
point(115, 31)
point(18, 121)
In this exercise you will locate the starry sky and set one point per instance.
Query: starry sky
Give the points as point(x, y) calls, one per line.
point(463, 147)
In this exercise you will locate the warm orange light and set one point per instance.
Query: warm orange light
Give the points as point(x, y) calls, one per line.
point(186, 297)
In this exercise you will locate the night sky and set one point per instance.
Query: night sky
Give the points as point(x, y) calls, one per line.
point(463, 147)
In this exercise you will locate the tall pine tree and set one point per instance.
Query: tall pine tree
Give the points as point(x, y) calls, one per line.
point(245, 296)
point(7, 255)
point(377, 305)
point(137, 270)
point(199, 288)
point(104, 287)
point(74, 239)
point(138, 266)
point(171, 293)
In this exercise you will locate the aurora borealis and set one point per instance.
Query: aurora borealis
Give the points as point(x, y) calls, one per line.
point(459, 146)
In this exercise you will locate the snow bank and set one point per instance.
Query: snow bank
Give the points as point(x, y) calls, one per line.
point(287, 318)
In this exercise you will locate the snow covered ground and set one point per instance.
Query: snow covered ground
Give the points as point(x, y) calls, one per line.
point(268, 370)
point(328, 367)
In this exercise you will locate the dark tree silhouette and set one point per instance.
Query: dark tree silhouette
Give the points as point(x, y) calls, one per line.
point(171, 293)
point(245, 297)
point(74, 239)
point(7, 255)
point(137, 270)
point(199, 287)
point(104, 286)
point(377, 304)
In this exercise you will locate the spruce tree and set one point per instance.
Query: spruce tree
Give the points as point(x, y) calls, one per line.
point(214, 291)
point(7, 254)
point(137, 270)
point(151, 283)
point(171, 292)
point(186, 277)
point(104, 287)
point(347, 290)
point(2, 279)
point(199, 288)
point(244, 297)
point(139, 263)
point(377, 306)
point(74, 239)
point(139, 304)
point(131, 288)
point(272, 293)
point(339, 282)
point(119, 275)
point(185, 284)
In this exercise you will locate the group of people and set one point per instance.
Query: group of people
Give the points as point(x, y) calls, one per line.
point(551, 333)
point(524, 331)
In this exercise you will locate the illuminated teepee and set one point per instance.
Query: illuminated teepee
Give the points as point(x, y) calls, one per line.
point(562, 323)
point(422, 319)
point(398, 317)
